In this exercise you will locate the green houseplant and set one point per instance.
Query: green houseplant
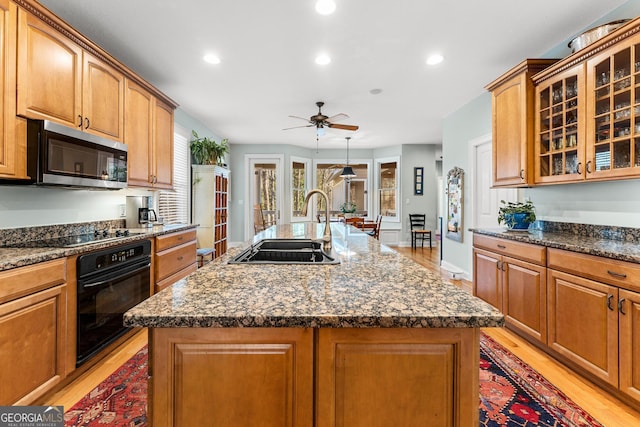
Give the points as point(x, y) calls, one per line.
point(348, 208)
point(516, 215)
point(207, 151)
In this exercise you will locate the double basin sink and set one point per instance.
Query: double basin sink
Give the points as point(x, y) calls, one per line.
point(285, 251)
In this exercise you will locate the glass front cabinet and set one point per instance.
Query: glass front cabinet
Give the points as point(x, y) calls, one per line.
point(560, 136)
point(613, 111)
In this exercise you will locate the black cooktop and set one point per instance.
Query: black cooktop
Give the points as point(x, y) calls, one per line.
point(73, 241)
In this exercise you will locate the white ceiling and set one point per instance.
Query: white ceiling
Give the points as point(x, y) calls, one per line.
point(267, 49)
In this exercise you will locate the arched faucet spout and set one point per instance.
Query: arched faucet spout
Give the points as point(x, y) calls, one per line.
point(326, 237)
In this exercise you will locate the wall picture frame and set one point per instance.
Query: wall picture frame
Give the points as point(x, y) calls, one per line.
point(418, 181)
point(455, 199)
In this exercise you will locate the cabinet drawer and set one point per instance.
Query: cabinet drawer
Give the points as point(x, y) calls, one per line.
point(168, 281)
point(524, 251)
point(171, 260)
point(606, 270)
point(26, 280)
point(174, 239)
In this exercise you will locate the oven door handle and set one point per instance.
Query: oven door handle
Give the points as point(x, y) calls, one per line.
point(120, 275)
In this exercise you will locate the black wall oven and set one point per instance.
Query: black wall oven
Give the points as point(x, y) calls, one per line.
point(110, 282)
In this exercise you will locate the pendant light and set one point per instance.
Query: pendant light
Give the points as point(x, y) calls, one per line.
point(347, 171)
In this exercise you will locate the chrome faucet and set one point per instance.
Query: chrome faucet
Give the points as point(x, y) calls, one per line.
point(326, 237)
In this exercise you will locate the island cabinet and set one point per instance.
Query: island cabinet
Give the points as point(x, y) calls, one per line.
point(13, 161)
point(512, 277)
point(594, 317)
point(313, 377)
point(80, 91)
point(33, 316)
point(512, 96)
point(148, 133)
point(175, 258)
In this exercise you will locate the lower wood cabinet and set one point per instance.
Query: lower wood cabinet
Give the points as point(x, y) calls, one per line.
point(33, 316)
point(594, 317)
point(515, 285)
point(175, 258)
point(277, 376)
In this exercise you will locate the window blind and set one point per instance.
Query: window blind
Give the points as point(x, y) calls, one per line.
point(173, 206)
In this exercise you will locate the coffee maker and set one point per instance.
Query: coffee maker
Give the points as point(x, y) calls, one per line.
point(140, 212)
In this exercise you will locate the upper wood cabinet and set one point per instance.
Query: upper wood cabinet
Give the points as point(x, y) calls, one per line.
point(13, 148)
point(149, 136)
point(512, 97)
point(560, 136)
point(613, 111)
point(59, 81)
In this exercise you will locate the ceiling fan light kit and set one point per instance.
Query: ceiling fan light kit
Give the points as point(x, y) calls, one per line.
point(321, 121)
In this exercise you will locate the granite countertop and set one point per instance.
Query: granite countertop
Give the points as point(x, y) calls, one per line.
point(13, 257)
point(373, 286)
point(599, 246)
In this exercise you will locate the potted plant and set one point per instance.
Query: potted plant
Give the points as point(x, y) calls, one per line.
point(348, 209)
point(207, 151)
point(516, 215)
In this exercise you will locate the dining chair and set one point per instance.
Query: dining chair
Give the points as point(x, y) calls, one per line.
point(418, 230)
point(375, 232)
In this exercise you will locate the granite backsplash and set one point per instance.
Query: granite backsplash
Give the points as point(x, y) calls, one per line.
point(623, 234)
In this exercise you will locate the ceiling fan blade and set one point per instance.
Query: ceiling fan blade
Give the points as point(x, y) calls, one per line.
point(344, 127)
point(337, 117)
point(301, 118)
point(296, 127)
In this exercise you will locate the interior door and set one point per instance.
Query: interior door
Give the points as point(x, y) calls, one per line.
point(265, 188)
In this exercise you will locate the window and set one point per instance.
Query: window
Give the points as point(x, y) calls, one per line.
point(388, 188)
point(339, 190)
point(299, 187)
point(173, 206)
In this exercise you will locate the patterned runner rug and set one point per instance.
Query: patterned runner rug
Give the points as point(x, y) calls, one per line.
point(512, 394)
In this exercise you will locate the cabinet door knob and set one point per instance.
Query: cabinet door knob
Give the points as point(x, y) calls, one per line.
point(79, 121)
point(609, 298)
point(621, 306)
point(180, 258)
point(86, 122)
point(589, 166)
point(521, 173)
point(578, 171)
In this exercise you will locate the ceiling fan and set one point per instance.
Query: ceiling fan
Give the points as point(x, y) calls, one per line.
point(321, 121)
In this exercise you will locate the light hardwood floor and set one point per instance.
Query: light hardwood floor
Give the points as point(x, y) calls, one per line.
point(608, 410)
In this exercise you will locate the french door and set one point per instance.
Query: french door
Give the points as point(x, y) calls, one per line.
point(265, 182)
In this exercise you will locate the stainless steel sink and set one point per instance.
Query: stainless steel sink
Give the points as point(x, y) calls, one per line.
point(285, 251)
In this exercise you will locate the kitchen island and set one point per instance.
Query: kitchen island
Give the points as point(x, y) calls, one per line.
point(374, 340)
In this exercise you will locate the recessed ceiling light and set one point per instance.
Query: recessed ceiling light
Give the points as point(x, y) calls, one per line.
point(211, 58)
point(325, 7)
point(435, 59)
point(323, 59)
point(375, 91)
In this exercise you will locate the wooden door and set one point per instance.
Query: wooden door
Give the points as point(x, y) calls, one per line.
point(232, 377)
point(163, 146)
point(138, 134)
point(583, 323)
point(13, 158)
point(103, 101)
point(629, 312)
point(487, 283)
point(524, 300)
point(49, 73)
point(397, 377)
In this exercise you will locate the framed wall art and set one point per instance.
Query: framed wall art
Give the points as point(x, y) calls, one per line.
point(455, 199)
point(418, 181)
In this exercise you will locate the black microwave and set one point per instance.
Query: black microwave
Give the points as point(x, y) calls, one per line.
point(63, 156)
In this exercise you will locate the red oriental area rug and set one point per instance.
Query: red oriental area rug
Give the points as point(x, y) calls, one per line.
point(511, 394)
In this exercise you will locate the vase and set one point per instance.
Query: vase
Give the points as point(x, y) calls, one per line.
point(518, 220)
